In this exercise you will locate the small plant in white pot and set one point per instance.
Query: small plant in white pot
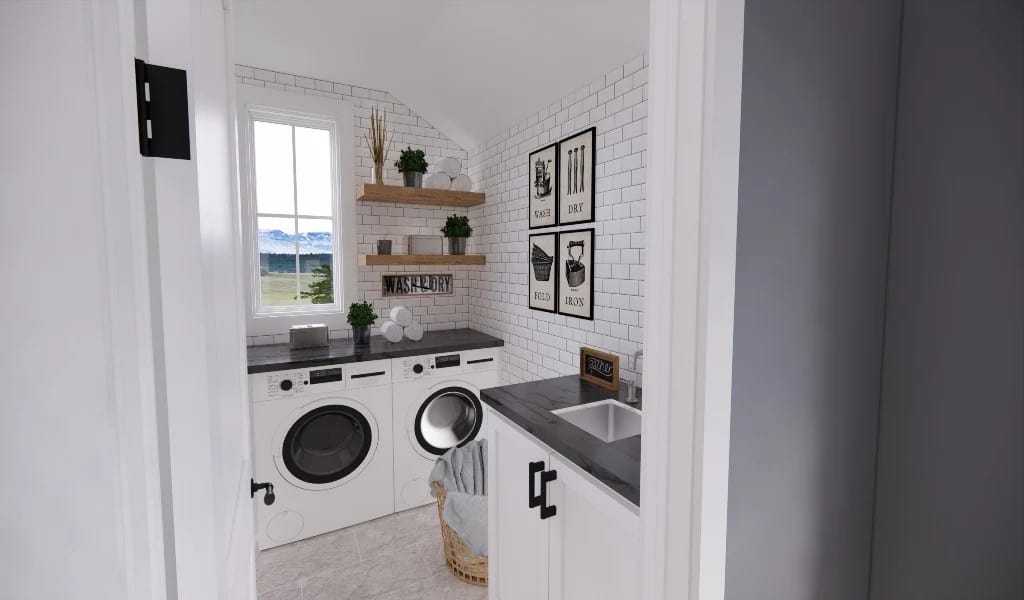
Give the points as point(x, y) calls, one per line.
point(412, 164)
point(361, 317)
point(457, 230)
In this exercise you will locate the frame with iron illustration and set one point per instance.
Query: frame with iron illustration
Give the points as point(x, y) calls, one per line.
point(576, 274)
point(543, 169)
point(543, 272)
point(577, 178)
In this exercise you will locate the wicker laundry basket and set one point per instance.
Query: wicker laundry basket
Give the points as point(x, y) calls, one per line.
point(462, 562)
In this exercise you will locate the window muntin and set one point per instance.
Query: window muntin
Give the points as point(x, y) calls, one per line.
point(293, 172)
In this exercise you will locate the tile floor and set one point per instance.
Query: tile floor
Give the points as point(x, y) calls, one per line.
point(398, 557)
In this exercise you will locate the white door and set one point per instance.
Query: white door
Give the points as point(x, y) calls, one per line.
point(517, 537)
point(594, 541)
point(128, 353)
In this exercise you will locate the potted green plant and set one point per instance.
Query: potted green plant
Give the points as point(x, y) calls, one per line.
point(457, 229)
point(360, 317)
point(412, 164)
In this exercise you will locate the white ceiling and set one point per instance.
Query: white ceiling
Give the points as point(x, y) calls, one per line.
point(470, 67)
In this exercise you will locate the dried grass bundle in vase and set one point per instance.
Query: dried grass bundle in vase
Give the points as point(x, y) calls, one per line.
point(375, 142)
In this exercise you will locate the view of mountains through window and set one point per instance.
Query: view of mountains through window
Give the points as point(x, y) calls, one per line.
point(294, 212)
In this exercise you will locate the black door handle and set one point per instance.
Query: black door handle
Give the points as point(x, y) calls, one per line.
point(546, 512)
point(535, 499)
point(268, 496)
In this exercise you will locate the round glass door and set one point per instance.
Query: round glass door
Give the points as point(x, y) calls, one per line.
point(327, 444)
point(449, 417)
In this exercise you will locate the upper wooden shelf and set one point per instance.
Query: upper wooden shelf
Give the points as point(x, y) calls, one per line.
point(421, 259)
point(378, 192)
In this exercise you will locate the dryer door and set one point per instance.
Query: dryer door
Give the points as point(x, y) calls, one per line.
point(327, 443)
point(449, 417)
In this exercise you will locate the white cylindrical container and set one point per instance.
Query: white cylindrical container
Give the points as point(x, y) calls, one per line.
point(401, 315)
point(452, 166)
point(462, 183)
point(414, 331)
point(391, 331)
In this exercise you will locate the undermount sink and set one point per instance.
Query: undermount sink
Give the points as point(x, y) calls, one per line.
point(608, 420)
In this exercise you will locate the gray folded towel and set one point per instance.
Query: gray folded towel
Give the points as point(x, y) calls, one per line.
point(462, 472)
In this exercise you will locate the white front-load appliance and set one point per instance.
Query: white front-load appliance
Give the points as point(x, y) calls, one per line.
point(323, 437)
point(437, 406)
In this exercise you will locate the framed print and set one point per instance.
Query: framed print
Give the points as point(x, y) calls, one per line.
point(576, 277)
point(599, 368)
point(544, 187)
point(576, 178)
point(543, 271)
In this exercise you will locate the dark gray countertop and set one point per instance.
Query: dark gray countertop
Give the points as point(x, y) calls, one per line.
point(277, 357)
point(529, 405)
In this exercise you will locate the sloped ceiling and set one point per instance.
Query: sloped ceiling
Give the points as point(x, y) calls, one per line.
point(470, 67)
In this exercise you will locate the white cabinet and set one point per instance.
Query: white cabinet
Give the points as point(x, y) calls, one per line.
point(587, 547)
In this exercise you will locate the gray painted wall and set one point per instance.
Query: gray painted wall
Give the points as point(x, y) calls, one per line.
point(819, 85)
point(949, 521)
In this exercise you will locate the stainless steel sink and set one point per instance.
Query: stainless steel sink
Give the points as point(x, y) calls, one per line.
point(608, 420)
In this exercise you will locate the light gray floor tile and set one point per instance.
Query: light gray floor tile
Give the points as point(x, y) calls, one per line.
point(368, 579)
point(289, 592)
point(404, 529)
point(398, 557)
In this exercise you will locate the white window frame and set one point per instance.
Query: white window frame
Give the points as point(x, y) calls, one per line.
point(289, 108)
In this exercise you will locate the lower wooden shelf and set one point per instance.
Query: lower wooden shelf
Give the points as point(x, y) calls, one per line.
point(369, 260)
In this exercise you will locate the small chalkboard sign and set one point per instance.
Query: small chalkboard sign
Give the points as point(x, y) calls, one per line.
point(599, 368)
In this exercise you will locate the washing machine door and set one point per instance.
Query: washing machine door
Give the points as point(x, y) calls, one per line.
point(449, 417)
point(326, 444)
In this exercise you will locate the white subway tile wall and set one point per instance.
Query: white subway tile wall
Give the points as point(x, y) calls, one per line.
point(538, 344)
point(386, 221)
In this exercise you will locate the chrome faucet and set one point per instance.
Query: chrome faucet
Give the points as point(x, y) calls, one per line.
point(635, 385)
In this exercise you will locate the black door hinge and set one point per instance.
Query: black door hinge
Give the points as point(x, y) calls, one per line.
point(162, 97)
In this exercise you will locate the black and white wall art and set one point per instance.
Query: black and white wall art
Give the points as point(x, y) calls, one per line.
point(576, 178)
point(576, 274)
point(544, 271)
point(543, 171)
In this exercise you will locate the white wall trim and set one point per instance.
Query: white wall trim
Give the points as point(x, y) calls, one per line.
point(695, 83)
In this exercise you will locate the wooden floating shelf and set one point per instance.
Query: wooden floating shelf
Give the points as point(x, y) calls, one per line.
point(378, 192)
point(369, 260)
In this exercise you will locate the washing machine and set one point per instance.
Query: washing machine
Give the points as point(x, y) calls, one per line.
point(323, 438)
point(437, 406)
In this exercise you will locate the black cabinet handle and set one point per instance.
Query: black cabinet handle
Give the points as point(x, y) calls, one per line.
point(546, 512)
point(535, 499)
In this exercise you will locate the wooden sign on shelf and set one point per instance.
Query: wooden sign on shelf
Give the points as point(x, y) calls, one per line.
point(599, 368)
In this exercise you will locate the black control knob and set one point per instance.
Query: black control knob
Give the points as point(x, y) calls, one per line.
point(286, 384)
point(417, 368)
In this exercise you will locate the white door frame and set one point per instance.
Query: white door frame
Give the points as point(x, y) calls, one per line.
point(128, 279)
point(696, 63)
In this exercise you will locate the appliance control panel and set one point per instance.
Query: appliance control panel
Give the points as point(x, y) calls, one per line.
point(286, 384)
point(417, 366)
point(447, 364)
point(299, 382)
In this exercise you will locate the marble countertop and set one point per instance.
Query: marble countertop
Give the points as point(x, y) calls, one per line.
point(278, 357)
point(529, 405)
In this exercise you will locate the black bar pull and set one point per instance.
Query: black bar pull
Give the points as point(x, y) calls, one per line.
point(535, 500)
point(479, 360)
point(546, 512)
point(371, 374)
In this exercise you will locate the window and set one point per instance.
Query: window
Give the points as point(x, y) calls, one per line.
point(292, 183)
point(292, 167)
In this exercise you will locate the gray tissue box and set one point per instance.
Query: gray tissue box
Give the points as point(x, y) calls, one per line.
point(426, 244)
point(307, 336)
